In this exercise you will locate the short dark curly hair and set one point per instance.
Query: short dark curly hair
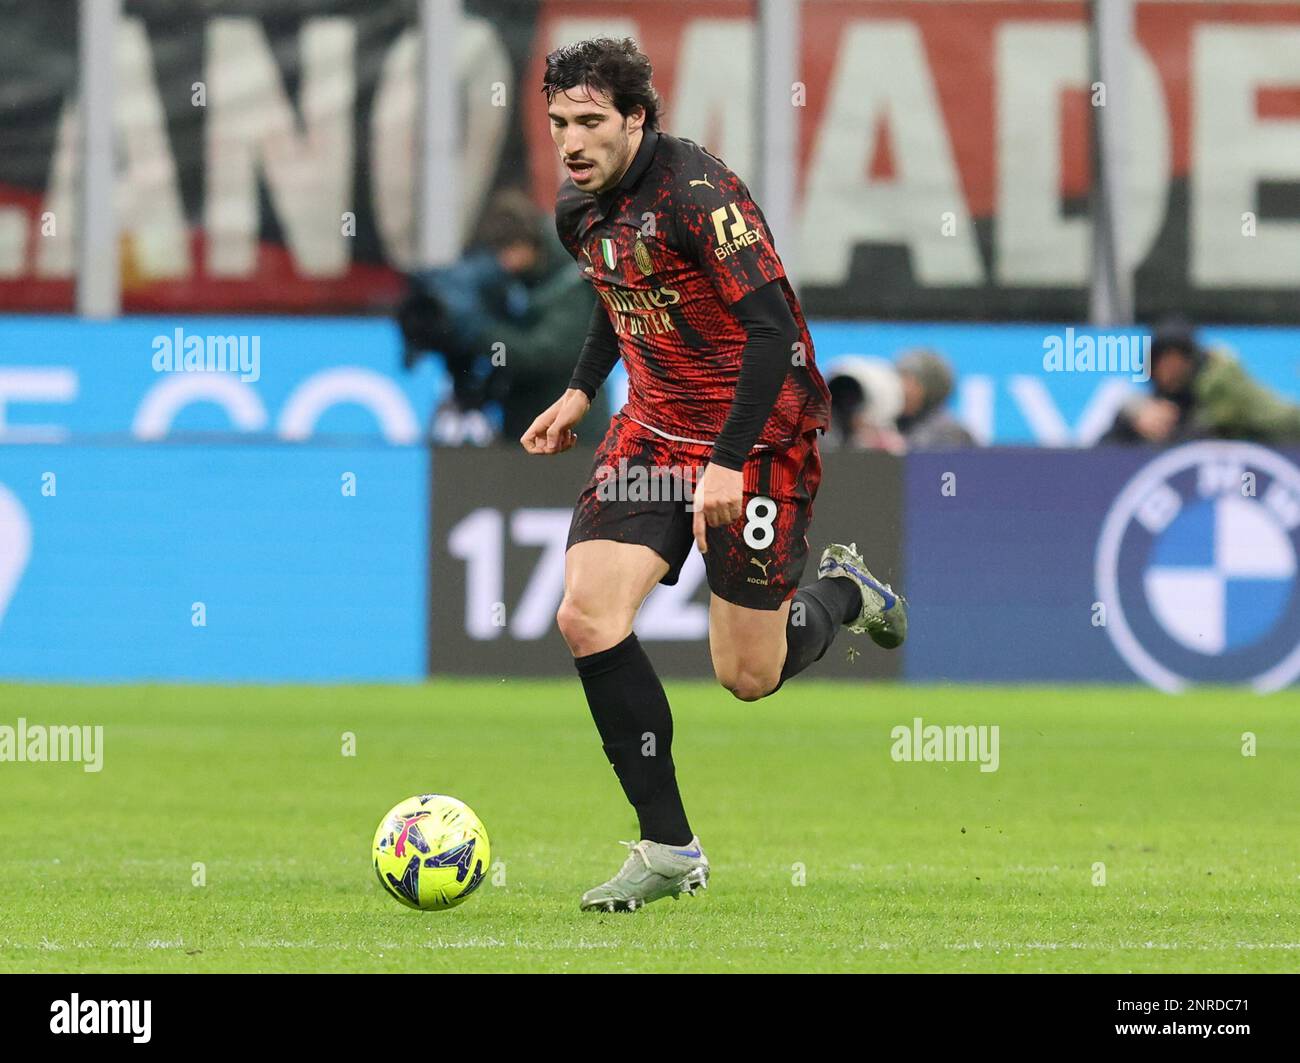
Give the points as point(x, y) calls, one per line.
point(616, 68)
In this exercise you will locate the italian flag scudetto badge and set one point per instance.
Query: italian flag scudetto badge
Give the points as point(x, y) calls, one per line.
point(607, 252)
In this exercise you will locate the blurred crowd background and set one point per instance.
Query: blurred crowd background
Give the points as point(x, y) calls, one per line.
point(1117, 165)
point(517, 288)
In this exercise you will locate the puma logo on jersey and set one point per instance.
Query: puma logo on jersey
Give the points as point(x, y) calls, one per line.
point(702, 181)
point(762, 566)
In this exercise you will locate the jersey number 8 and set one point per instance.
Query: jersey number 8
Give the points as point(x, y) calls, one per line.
point(760, 512)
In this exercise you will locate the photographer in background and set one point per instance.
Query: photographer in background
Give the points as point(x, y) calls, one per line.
point(866, 398)
point(1201, 394)
point(925, 422)
point(509, 319)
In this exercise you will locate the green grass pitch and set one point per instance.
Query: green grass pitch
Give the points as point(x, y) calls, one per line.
point(827, 854)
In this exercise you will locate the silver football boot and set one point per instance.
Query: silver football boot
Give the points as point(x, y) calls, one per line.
point(884, 612)
point(652, 870)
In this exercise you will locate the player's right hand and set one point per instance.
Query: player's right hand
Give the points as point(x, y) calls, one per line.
point(1156, 420)
point(552, 430)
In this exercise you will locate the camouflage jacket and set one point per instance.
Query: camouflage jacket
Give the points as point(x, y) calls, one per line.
point(1230, 405)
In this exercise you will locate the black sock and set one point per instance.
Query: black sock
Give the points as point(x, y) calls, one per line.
point(816, 614)
point(628, 703)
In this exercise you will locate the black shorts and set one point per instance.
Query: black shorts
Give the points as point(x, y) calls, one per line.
point(638, 492)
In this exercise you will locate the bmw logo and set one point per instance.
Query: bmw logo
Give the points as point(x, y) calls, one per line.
point(1198, 564)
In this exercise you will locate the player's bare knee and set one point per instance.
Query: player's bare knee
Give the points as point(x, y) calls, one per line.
point(576, 624)
point(748, 686)
point(586, 630)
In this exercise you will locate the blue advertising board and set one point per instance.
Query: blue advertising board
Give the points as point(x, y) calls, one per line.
point(162, 522)
point(1173, 568)
point(1007, 394)
point(151, 378)
point(61, 378)
point(273, 562)
point(218, 562)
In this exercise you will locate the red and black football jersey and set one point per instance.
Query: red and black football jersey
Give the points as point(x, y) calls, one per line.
point(669, 250)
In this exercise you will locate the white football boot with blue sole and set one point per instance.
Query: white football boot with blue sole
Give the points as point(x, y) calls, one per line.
point(652, 870)
point(884, 612)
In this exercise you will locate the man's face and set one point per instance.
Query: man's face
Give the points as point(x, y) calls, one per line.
point(596, 142)
point(519, 257)
point(1172, 372)
point(913, 394)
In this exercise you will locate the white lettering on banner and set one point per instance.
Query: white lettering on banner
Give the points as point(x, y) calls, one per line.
point(1159, 509)
point(481, 59)
point(478, 539)
point(1045, 421)
point(56, 253)
point(1048, 427)
point(533, 617)
point(251, 128)
point(669, 614)
point(715, 71)
point(1099, 414)
point(1216, 476)
point(881, 74)
point(1036, 244)
point(163, 401)
point(393, 120)
point(15, 546)
point(13, 241)
point(34, 385)
point(152, 214)
point(567, 29)
point(884, 83)
point(1234, 150)
point(1284, 502)
point(976, 401)
point(349, 384)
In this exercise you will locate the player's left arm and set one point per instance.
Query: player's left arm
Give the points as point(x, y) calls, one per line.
point(771, 336)
point(721, 228)
point(765, 362)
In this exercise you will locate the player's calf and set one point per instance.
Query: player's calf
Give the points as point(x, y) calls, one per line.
point(747, 646)
point(604, 583)
point(845, 594)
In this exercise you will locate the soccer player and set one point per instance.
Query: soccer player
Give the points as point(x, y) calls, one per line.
point(721, 378)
